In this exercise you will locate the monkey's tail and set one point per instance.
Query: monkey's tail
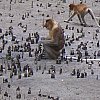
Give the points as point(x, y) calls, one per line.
point(93, 16)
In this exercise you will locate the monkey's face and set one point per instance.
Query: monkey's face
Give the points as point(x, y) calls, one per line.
point(71, 7)
point(48, 24)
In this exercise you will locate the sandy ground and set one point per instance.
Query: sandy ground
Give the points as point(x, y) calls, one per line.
point(64, 86)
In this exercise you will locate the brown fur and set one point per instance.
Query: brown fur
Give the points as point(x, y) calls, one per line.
point(81, 10)
point(78, 8)
point(56, 38)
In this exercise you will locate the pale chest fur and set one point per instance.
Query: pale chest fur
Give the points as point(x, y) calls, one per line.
point(51, 32)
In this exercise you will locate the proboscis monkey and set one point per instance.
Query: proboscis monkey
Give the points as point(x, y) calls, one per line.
point(81, 10)
point(55, 42)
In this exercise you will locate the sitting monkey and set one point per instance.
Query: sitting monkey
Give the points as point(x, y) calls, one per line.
point(55, 42)
point(81, 10)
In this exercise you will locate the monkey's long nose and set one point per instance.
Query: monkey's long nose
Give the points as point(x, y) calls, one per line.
point(44, 25)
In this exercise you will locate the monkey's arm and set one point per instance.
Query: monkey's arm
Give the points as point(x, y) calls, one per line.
point(47, 38)
point(54, 40)
point(55, 36)
point(71, 17)
point(79, 17)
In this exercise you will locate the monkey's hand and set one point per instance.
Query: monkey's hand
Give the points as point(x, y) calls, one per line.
point(46, 38)
point(66, 21)
point(45, 41)
point(48, 42)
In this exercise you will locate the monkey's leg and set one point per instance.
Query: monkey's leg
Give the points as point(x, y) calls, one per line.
point(70, 17)
point(51, 52)
point(93, 17)
point(79, 17)
point(91, 13)
point(84, 22)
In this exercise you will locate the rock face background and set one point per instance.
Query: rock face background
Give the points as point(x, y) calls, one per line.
point(26, 17)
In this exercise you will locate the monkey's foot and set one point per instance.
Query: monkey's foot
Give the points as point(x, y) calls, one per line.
point(81, 24)
point(85, 25)
point(66, 21)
